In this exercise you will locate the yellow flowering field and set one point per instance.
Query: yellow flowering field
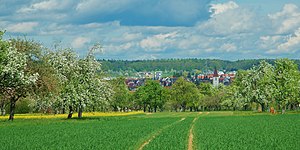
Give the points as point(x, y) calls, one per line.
point(85, 114)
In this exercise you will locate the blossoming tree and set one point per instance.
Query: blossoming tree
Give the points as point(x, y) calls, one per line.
point(14, 78)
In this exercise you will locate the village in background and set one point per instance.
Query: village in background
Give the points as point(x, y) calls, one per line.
point(214, 77)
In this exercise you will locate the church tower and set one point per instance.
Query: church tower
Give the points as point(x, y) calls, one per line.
point(216, 78)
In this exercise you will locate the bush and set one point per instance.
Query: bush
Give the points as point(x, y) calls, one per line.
point(22, 106)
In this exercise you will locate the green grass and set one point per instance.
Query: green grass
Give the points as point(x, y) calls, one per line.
point(248, 132)
point(213, 130)
point(174, 137)
point(101, 133)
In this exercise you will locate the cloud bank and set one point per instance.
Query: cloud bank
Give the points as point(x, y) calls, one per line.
point(141, 29)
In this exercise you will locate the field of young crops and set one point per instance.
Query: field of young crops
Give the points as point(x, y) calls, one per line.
point(248, 132)
point(209, 130)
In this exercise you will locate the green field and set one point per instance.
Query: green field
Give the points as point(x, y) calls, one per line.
point(211, 130)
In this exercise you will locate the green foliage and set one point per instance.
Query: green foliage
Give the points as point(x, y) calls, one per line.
point(121, 98)
point(287, 82)
point(15, 79)
point(177, 65)
point(150, 96)
point(23, 107)
point(184, 94)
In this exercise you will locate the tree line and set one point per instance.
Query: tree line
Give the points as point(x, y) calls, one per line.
point(181, 64)
point(263, 87)
point(59, 81)
point(55, 81)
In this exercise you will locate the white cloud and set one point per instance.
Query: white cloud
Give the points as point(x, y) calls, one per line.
point(231, 22)
point(228, 47)
point(115, 49)
point(286, 20)
point(158, 42)
point(44, 5)
point(291, 45)
point(231, 30)
point(23, 27)
point(127, 37)
point(219, 8)
point(131, 36)
point(80, 42)
point(270, 41)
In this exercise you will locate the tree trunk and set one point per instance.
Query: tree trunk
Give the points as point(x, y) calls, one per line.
point(144, 107)
point(70, 113)
point(183, 108)
point(262, 107)
point(283, 109)
point(80, 109)
point(12, 109)
point(63, 110)
point(2, 108)
point(115, 108)
point(2, 112)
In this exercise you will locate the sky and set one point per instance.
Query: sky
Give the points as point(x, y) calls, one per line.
point(158, 29)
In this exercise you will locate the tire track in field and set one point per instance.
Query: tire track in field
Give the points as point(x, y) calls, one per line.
point(191, 136)
point(157, 133)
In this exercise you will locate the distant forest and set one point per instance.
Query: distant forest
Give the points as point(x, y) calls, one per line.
point(181, 64)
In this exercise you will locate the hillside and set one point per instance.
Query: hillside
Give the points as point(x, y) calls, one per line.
point(181, 64)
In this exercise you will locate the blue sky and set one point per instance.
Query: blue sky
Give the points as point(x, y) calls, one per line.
point(154, 29)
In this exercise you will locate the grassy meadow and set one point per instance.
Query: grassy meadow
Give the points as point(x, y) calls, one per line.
point(166, 130)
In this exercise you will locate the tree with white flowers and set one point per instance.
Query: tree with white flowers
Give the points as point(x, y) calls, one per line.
point(287, 83)
point(15, 81)
point(260, 85)
point(81, 85)
point(93, 91)
point(3, 57)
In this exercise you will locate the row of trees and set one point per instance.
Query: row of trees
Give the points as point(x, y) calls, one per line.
point(259, 88)
point(152, 97)
point(180, 64)
point(268, 85)
point(55, 80)
point(59, 81)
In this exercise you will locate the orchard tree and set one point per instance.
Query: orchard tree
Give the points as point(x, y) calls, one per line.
point(120, 100)
point(3, 58)
point(233, 99)
point(15, 81)
point(91, 89)
point(154, 90)
point(184, 93)
point(150, 96)
point(140, 98)
point(80, 82)
point(287, 83)
point(46, 92)
point(207, 92)
point(259, 84)
point(65, 64)
point(239, 90)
